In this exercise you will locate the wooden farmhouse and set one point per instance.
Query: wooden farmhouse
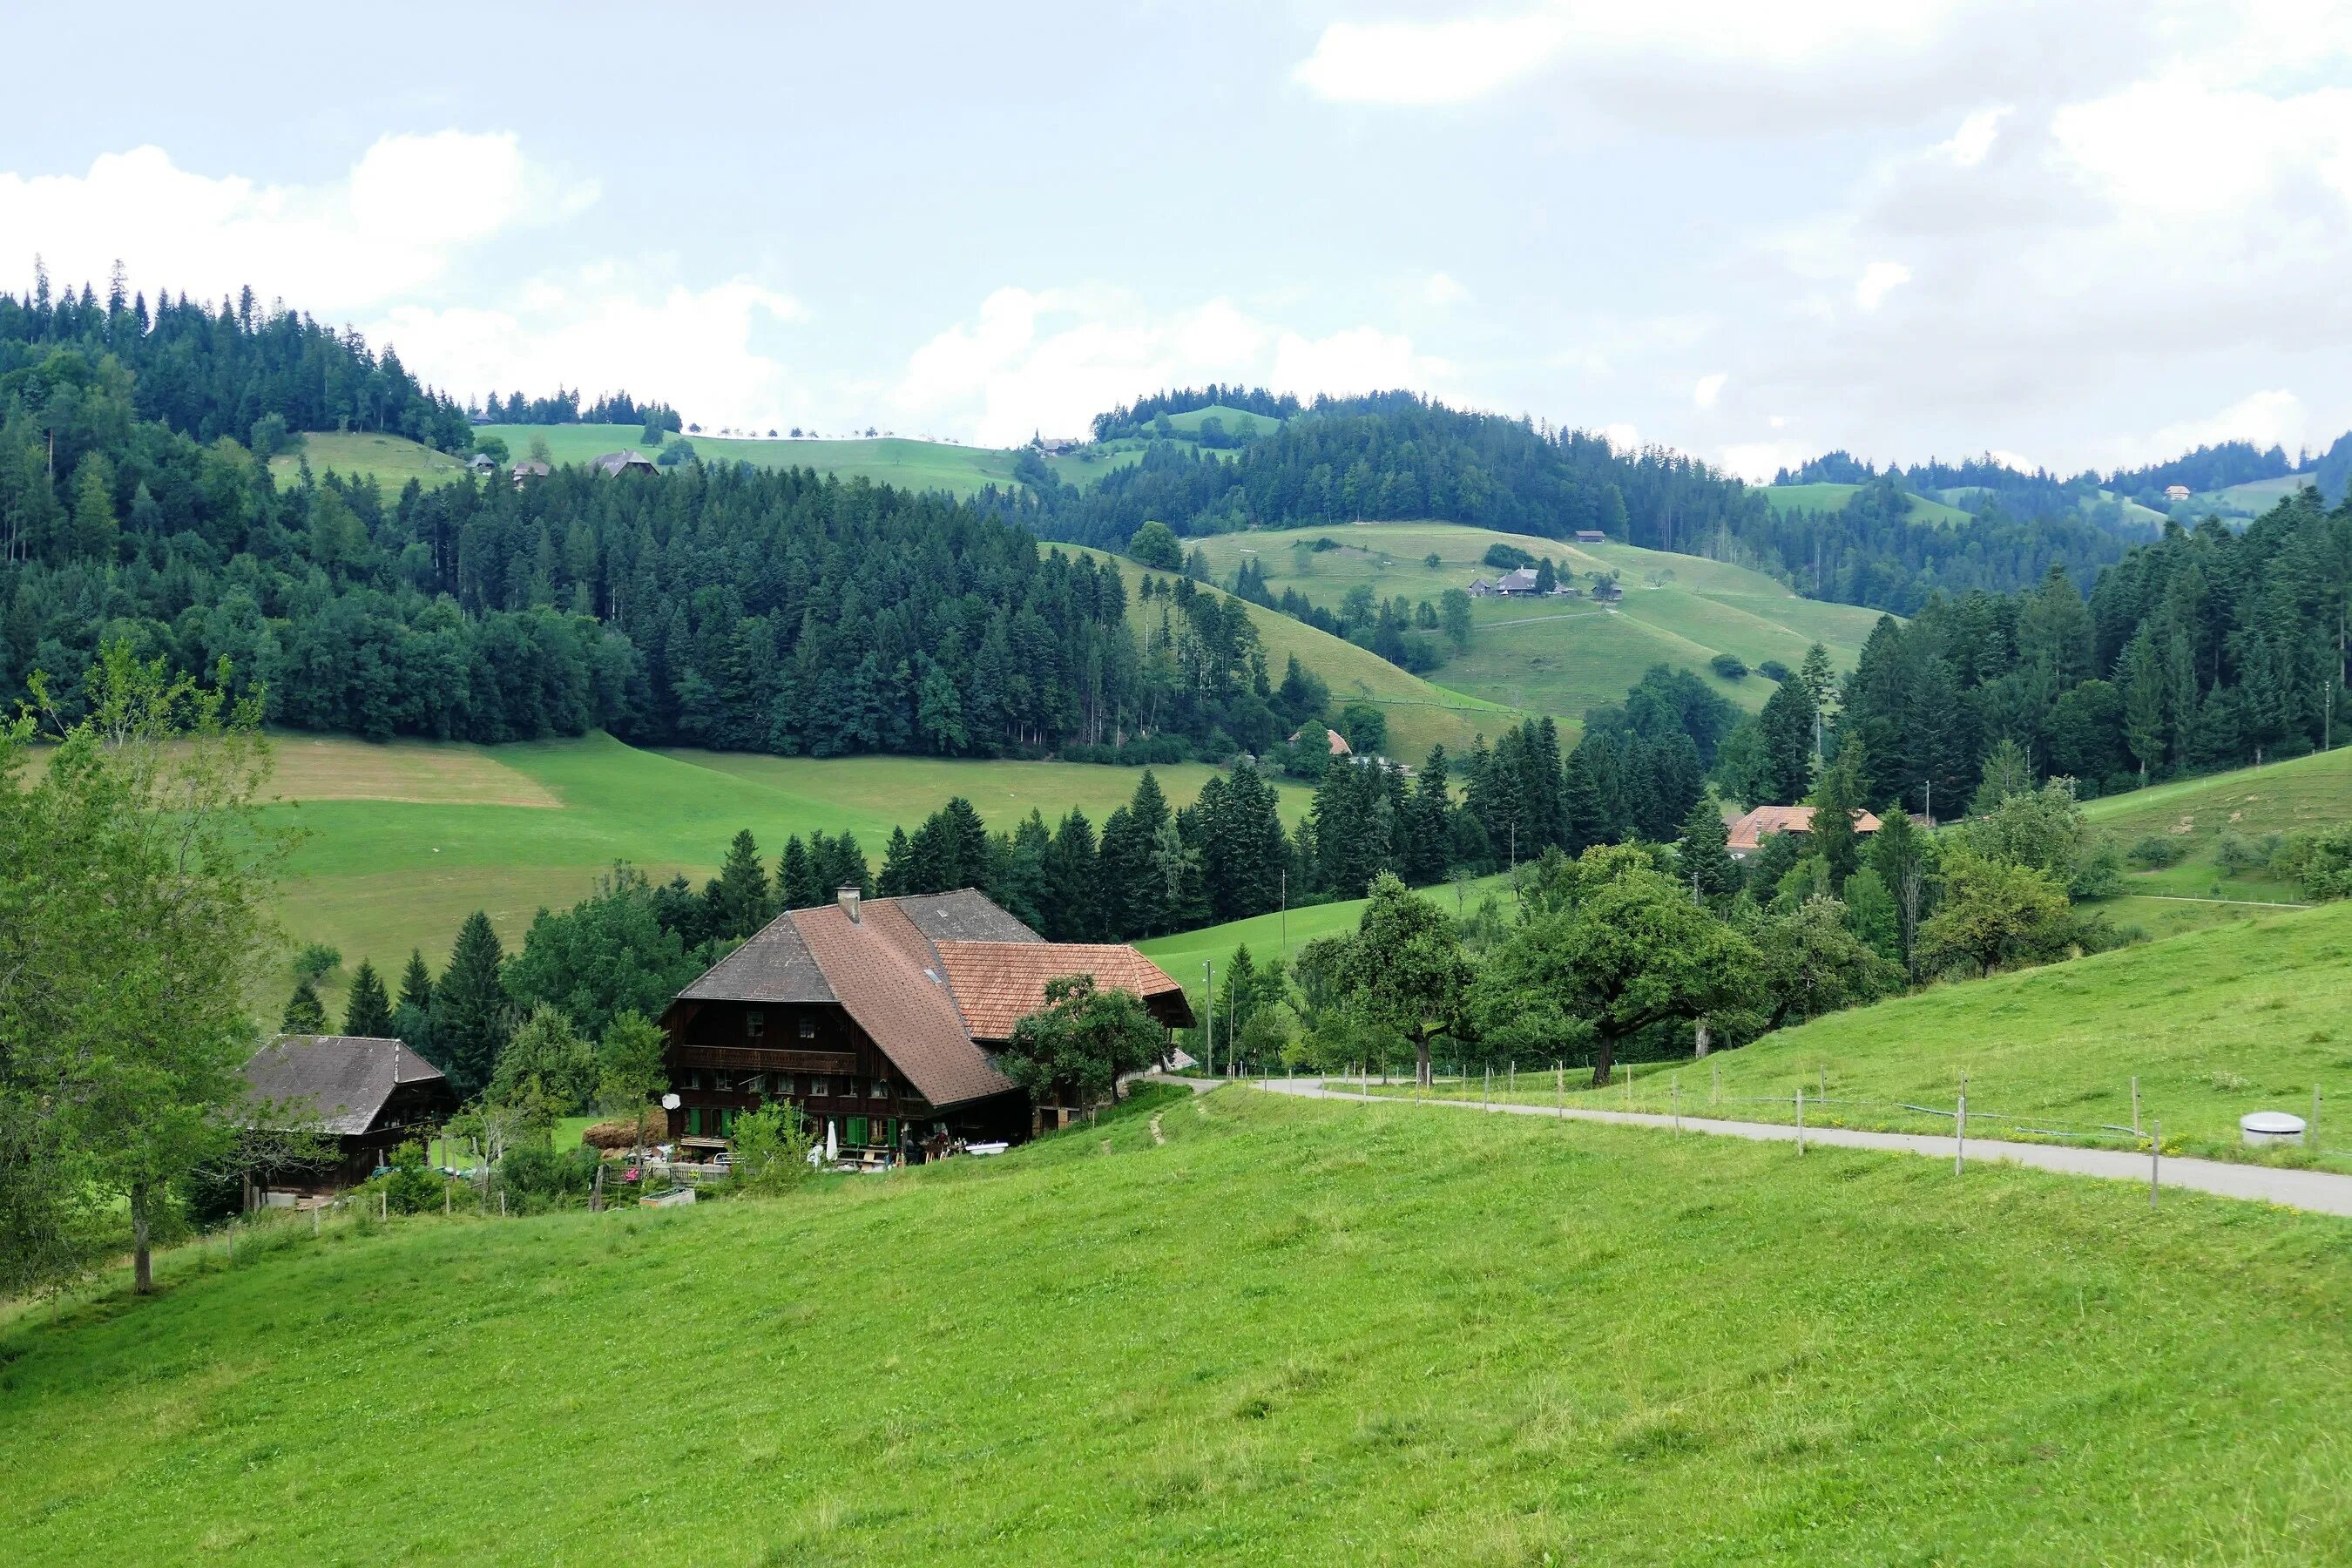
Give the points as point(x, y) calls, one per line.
point(880, 1020)
point(366, 1096)
point(1745, 834)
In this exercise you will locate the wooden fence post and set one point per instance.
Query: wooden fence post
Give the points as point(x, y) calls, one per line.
point(1961, 1130)
point(1800, 1121)
point(2135, 1105)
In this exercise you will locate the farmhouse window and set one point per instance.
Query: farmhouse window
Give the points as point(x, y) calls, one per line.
point(755, 1024)
point(808, 1026)
point(819, 1085)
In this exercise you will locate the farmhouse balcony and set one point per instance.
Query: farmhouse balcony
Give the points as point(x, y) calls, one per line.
point(753, 1059)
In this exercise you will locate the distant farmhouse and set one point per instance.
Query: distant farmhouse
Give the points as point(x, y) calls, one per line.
point(366, 1096)
point(1340, 747)
point(2176, 492)
point(1591, 536)
point(880, 1020)
point(622, 463)
point(1054, 445)
point(1747, 834)
point(1519, 582)
point(482, 463)
point(528, 470)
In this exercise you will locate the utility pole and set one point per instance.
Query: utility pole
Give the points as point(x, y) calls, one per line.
point(1285, 912)
point(1209, 1031)
point(1930, 785)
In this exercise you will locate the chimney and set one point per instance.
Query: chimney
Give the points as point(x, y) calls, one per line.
point(848, 897)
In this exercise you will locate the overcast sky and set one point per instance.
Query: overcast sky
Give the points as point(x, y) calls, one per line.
point(2076, 234)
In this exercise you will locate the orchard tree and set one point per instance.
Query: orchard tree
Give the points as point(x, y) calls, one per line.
point(1081, 1042)
point(1994, 914)
point(1404, 970)
point(1622, 955)
point(632, 1070)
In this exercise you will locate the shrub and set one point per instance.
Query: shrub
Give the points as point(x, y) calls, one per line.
point(771, 1148)
point(1433, 560)
point(1509, 557)
point(409, 1185)
point(1728, 666)
point(1154, 545)
point(539, 1177)
point(2237, 854)
point(1772, 669)
point(2320, 862)
point(2153, 851)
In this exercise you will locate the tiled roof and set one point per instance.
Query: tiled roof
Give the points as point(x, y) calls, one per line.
point(342, 1079)
point(1750, 832)
point(774, 966)
point(886, 971)
point(998, 984)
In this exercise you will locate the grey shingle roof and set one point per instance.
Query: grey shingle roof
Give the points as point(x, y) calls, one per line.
point(774, 966)
point(965, 915)
point(342, 1079)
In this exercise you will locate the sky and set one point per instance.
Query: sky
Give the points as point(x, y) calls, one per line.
point(2077, 235)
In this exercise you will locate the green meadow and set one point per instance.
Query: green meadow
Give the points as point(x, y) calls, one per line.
point(1562, 657)
point(2293, 797)
point(1238, 1328)
point(1284, 932)
point(1827, 497)
point(391, 460)
point(402, 841)
point(2250, 1015)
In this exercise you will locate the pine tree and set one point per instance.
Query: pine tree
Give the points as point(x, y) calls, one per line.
point(739, 897)
point(416, 983)
point(1073, 909)
point(367, 1013)
point(1784, 769)
point(2141, 672)
point(796, 877)
point(472, 1016)
point(1835, 801)
point(304, 1014)
point(1703, 852)
point(897, 865)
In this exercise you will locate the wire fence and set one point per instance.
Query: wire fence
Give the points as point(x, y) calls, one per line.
point(1634, 1089)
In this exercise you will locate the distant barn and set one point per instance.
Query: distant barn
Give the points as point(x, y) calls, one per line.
point(366, 1096)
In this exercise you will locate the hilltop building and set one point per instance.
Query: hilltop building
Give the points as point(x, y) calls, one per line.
point(880, 1020)
point(613, 463)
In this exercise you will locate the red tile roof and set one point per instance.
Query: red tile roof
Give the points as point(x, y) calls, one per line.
point(886, 971)
point(998, 984)
point(1750, 832)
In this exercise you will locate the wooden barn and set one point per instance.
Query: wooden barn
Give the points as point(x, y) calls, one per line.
point(880, 1018)
point(366, 1096)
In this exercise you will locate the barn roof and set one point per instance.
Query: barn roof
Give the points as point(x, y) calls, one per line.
point(1750, 832)
point(341, 1079)
point(927, 978)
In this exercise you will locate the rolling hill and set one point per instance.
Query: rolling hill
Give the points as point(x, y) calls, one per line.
point(2247, 804)
point(1421, 714)
point(391, 460)
point(1562, 657)
point(2245, 1015)
point(1827, 497)
point(402, 841)
point(1236, 1329)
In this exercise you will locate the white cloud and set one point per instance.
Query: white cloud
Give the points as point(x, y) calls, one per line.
point(2173, 148)
point(2273, 417)
point(1709, 389)
point(1621, 435)
point(1758, 461)
point(1049, 360)
point(1429, 62)
point(607, 330)
point(1441, 290)
point(398, 220)
point(1879, 279)
point(1975, 137)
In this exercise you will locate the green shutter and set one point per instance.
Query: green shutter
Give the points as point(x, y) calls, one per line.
point(857, 1129)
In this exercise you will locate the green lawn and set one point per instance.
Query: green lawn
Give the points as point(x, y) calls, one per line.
point(391, 460)
point(1562, 657)
point(402, 842)
point(1183, 954)
point(2248, 1014)
point(1291, 1332)
point(1826, 497)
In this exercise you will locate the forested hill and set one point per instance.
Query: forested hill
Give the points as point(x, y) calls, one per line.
point(717, 606)
point(202, 373)
point(1399, 456)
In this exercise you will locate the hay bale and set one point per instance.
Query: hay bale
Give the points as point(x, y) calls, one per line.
point(621, 1133)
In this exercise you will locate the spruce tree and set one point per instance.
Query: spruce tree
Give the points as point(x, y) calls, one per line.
point(1704, 855)
point(416, 983)
point(367, 1013)
point(897, 865)
point(796, 877)
point(304, 1013)
point(1835, 800)
point(1072, 903)
point(472, 1016)
point(739, 897)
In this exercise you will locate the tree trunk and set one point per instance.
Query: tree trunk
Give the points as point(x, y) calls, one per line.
point(1702, 1040)
point(1602, 1060)
point(1420, 1063)
point(143, 1260)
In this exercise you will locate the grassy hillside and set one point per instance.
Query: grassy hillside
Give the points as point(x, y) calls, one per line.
point(2279, 797)
point(1188, 421)
point(391, 460)
point(1421, 714)
point(1561, 656)
point(1183, 954)
point(2247, 1015)
point(1289, 1332)
point(1826, 497)
point(402, 841)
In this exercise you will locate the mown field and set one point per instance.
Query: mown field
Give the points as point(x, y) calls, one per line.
point(1827, 497)
point(1420, 713)
point(391, 460)
point(1289, 1332)
point(2251, 1014)
point(2278, 797)
point(1562, 657)
point(402, 841)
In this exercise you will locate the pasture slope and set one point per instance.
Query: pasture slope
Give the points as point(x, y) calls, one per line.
point(1824, 496)
point(391, 460)
point(402, 841)
point(1226, 1329)
point(2251, 1015)
point(1562, 657)
point(2249, 803)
